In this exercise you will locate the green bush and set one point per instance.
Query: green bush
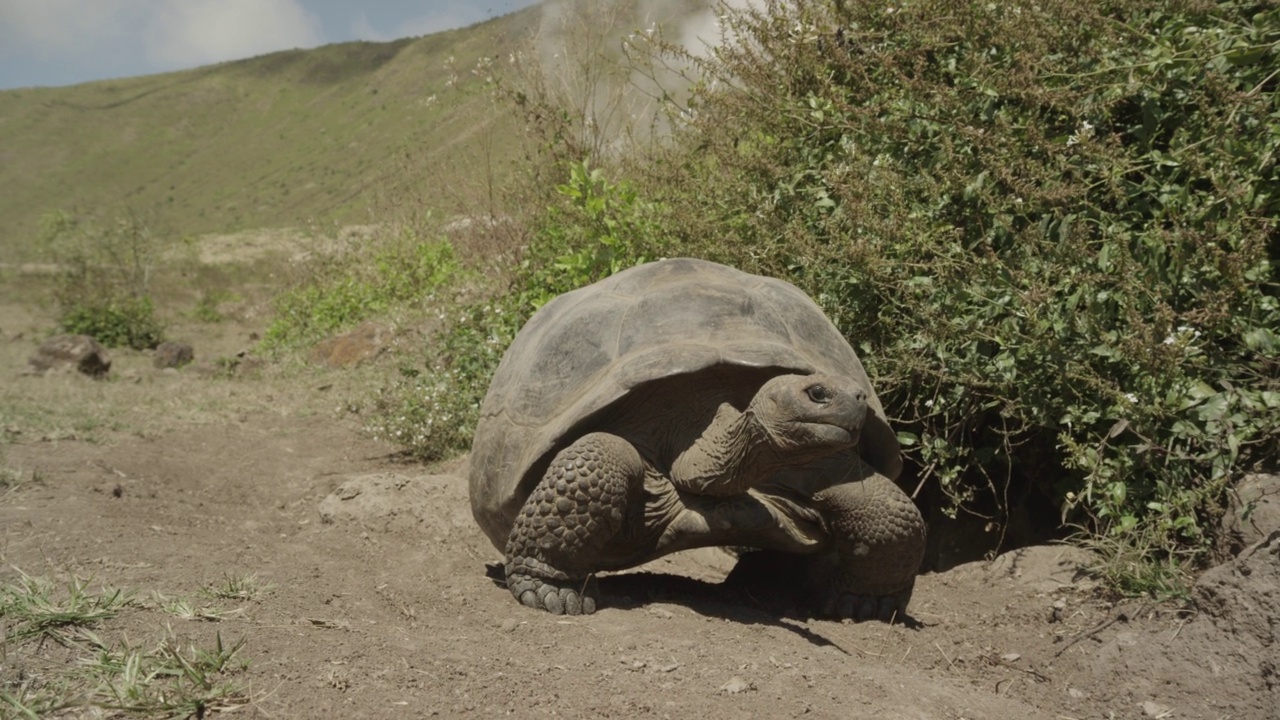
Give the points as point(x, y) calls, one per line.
point(338, 290)
point(103, 278)
point(124, 322)
point(595, 229)
point(1050, 230)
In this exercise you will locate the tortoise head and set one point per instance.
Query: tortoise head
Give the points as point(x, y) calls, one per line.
point(811, 415)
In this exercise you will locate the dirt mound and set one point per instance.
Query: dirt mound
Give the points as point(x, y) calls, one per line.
point(397, 502)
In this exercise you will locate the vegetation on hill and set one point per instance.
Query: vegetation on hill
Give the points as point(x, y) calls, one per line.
point(297, 138)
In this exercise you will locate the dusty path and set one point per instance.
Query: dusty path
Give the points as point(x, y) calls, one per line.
point(385, 610)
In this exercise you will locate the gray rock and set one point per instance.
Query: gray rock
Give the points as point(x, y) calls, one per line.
point(72, 352)
point(170, 354)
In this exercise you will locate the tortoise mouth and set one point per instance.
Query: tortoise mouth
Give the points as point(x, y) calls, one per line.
point(834, 436)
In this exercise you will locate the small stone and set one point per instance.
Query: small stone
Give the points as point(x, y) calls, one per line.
point(1010, 657)
point(1154, 710)
point(359, 346)
point(170, 355)
point(736, 685)
point(1075, 693)
point(78, 352)
point(509, 625)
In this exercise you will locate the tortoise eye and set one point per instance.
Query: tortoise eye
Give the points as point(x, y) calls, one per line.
point(819, 393)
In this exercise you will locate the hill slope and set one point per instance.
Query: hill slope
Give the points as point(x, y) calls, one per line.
point(283, 139)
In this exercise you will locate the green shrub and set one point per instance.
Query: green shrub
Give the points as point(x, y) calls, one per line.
point(103, 278)
point(1050, 230)
point(368, 278)
point(123, 322)
point(594, 230)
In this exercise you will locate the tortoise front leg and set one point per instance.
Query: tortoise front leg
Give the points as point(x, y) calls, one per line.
point(560, 534)
point(878, 544)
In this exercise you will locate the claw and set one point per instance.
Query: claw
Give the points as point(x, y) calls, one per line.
point(860, 608)
point(867, 609)
point(848, 605)
point(571, 598)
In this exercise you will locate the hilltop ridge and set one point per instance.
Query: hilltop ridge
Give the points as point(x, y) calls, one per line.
point(297, 137)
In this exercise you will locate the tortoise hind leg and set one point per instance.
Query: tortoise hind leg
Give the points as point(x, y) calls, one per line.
point(879, 540)
point(580, 504)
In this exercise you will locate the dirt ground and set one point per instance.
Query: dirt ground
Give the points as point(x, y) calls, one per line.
point(376, 602)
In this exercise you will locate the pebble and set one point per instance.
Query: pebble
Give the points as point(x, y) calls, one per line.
point(509, 625)
point(736, 685)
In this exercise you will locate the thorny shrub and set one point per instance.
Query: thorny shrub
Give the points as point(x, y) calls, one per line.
point(1050, 230)
point(594, 229)
point(103, 280)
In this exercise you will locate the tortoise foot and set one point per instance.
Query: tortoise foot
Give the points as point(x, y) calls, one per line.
point(558, 597)
point(559, 538)
point(861, 607)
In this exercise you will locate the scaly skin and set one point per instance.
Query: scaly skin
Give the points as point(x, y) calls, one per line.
point(577, 508)
point(879, 541)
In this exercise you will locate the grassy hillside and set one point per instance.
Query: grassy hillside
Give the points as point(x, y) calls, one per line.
point(284, 139)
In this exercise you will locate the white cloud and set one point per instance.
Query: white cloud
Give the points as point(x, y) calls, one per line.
point(184, 33)
point(56, 26)
point(420, 24)
point(438, 21)
point(364, 30)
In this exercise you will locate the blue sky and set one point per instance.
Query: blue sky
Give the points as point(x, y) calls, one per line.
point(64, 42)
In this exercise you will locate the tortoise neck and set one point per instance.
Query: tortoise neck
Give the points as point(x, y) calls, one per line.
point(734, 454)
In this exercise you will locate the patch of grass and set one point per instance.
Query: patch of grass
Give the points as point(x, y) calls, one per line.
point(238, 586)
point(33, 607)
point(207, 305)
point(368, 277)
point(170, 678)
point(32, 699)
point(187, 609)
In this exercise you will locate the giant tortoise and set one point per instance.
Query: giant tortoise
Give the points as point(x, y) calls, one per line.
point(684, 404)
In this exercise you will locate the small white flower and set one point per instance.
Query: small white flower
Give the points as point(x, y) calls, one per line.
point(1131, 397)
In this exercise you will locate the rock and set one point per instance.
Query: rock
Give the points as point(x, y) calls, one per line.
point(365, 343)
point(79, 352)
point(170, 354)
point(1253, 512)
point(736, 685)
